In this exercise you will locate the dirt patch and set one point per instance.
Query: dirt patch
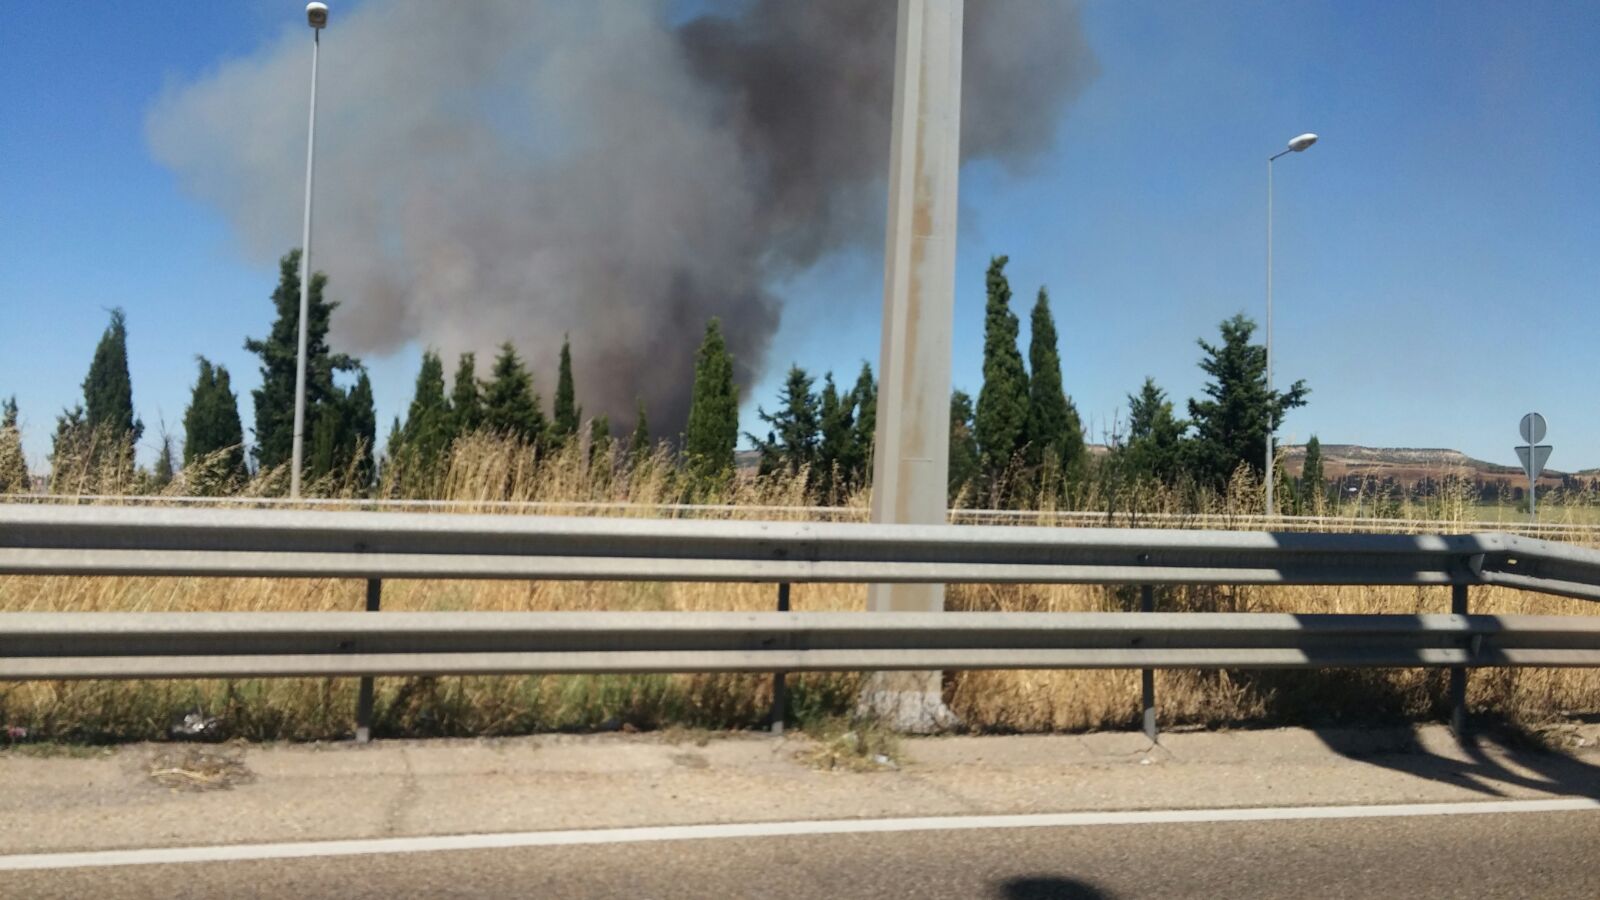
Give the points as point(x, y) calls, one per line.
point(199, 768)
point(691, 760)
point(677, 734)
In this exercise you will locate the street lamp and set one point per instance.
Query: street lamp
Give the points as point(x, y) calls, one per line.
point(317, 18)
point(1296, 145)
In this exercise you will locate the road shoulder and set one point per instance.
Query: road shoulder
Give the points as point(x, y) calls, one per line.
point(152, 795)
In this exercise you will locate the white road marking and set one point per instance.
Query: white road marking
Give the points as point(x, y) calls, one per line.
point(436, 843)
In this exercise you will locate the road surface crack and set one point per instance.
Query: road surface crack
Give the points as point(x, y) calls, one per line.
point(404, 799)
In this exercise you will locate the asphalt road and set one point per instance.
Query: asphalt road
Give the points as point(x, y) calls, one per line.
point(1544, 855)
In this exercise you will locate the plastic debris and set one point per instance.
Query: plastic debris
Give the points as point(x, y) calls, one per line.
point(196, 726)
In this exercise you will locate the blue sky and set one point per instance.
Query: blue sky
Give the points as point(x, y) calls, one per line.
point(1437, 252)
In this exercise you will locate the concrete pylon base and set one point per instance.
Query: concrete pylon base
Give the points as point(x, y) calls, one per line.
point(908, 702)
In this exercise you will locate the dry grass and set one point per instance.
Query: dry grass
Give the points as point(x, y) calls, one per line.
point(1082, 700)
point(855, 744)
point(484, 471)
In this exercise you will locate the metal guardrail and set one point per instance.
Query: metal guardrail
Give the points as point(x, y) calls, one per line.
point(233, 645)
point(43, 540)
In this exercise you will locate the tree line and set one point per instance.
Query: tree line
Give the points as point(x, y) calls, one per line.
point(1020, 442)
point(94, 440)
point(1023, 441)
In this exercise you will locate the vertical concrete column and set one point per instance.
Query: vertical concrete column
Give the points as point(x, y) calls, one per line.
point(912, 455)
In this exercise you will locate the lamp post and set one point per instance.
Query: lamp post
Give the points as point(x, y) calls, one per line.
point(1296, 145)
point(317, 18)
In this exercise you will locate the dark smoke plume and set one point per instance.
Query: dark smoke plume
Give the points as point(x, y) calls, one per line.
point(520, 169)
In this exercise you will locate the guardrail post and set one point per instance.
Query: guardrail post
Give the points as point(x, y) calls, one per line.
point(364, 697)
point(1458, 674)
point(780, 691)
point(1147, 603)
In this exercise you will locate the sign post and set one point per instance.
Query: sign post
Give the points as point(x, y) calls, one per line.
point(1533, 455)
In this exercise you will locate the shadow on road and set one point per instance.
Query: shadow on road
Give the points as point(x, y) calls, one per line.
point(1365, 717)
point(1494, 756)
point(1049, 887)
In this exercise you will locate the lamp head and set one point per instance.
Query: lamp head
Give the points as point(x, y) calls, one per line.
point(317, 16)
point(1302, 142)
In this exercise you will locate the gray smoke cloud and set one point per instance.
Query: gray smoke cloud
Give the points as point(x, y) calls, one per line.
point(522, 169)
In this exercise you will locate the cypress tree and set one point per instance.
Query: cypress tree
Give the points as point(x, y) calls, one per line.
point(567, 414)
point(466, 397)
point(211, 425)
point(835, 449)
point(274, 400)
point(639, 443)
point(792, 443)
point(103, 442)
point(164, 470)
point(770, 455)
point(361, 424)
point(964, 460)
point(1231, 425)
point(1286, 491)
point(713, 427)
point(323, 443)
point(394, 446)
point(337, 449)
point(599, 439)
point(1054, 430)
point(72, 468)
point(343, 434)
point(1000, 423)
point(1312, 481)
point(108, 391)
point(1155, 437)
point(863, 433)
point(14, 477)
point(429, 424)
point(510, 406)
point(228, 429)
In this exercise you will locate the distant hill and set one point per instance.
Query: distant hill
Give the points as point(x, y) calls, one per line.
point(1407, 465)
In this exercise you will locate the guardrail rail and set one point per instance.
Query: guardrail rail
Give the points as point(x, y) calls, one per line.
point(92, 541)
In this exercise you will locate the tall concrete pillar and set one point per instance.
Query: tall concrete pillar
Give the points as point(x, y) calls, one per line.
point(912, 455)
